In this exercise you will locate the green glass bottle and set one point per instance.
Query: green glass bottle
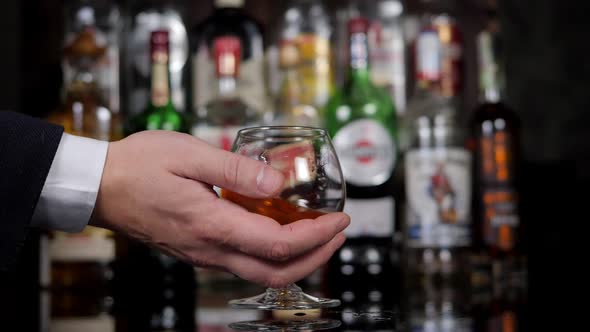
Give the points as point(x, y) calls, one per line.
point(160, 113)
point(140, 271)
point(359, 98)
point(361, 119)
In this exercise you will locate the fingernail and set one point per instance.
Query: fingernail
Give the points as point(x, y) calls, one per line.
point(344, 222)
point(269, 181)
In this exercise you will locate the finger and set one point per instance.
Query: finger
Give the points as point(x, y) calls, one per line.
point(234, 172)
point(276, 275)
point(263, 237)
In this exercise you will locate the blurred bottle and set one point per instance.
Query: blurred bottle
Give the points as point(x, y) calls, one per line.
point(147, 16)
point(160, 112)
point(361, 118)
point(345, 11)
point(291, 109)
point(387, 45)
point(103, 19)
point(219, 121)
point(84, 111)
point(154, 291)
point(438, 67)
point(495, 135)
point(228, 19)
point(437, 166)
point(438, 190)
point(305, 27)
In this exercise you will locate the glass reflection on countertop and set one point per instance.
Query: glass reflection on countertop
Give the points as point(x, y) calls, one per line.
point(485, 300)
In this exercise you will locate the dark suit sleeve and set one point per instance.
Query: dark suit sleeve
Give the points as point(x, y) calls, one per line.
point(27, 148)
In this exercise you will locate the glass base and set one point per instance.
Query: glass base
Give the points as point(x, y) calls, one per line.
point(290, 325)
point(289, 298)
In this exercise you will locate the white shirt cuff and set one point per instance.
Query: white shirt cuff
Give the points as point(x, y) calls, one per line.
point(69, 194)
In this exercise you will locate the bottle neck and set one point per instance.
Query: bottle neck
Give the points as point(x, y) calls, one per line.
point(359, 57)
point(428, 66)
point(491, 75)
point(491, 83)
point(160, 89)
point(226, 87)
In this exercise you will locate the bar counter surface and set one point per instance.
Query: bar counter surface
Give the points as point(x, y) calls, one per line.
point(487, 304)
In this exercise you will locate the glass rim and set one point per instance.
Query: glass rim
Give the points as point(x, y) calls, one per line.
point(299, 131)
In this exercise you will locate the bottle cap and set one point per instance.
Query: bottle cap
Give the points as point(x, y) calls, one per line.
point(358, 25)
point(227, 54)
point(159, 41)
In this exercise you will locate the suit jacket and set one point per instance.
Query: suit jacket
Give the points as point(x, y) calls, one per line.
point(27, 149)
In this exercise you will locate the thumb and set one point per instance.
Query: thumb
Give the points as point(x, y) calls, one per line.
point(237, 173)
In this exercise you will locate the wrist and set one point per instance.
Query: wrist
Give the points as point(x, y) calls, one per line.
point(99, 216)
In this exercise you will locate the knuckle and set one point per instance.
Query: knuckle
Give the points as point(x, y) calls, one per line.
point(214, 234)
point(207, 234)
point(280, 251)
point(231, 169)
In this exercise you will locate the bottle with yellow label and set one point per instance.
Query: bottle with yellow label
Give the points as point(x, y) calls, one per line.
point(305, 29)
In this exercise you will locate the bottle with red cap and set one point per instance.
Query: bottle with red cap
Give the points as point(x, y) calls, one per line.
point(229, 18)
point(220, 119)
point(160, 112)
point(361, 118)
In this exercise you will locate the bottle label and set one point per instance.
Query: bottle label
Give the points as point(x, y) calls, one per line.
point(366, 151)
point(500, 217)
point(499, 200)
point(219, 137)
point(160, 92)
point(92, 245)
point(439, 52)
point(439, 196)
point(388, 69)
point(250, 81)
point(428, 52)
point(451, 56)
point(370, 217)
point(359, 51)
point(315, 68)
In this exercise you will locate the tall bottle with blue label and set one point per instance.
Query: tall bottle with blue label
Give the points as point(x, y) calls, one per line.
point(362, 120)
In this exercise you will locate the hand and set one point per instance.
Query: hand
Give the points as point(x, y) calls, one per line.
point(157, 188)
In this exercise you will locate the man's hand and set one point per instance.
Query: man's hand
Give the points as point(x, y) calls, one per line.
point(157, 188)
